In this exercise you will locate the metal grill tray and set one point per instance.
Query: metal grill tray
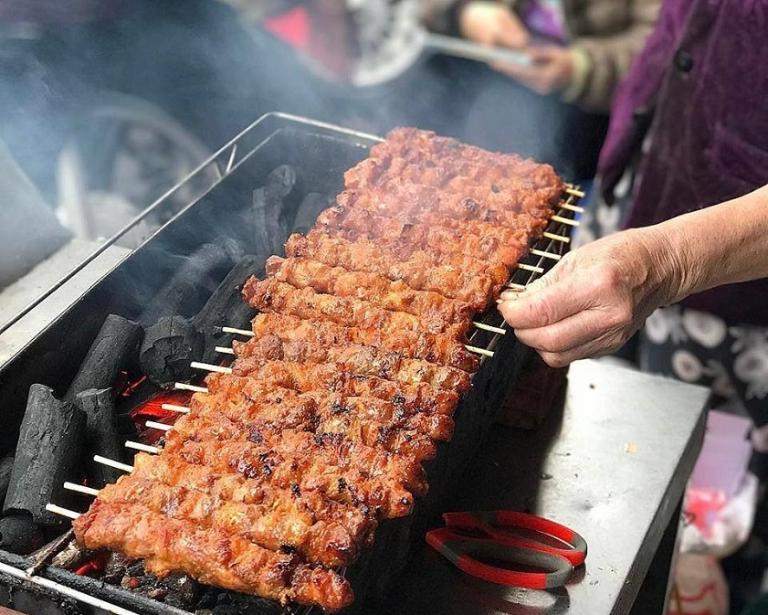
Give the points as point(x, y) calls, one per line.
point(320, 154)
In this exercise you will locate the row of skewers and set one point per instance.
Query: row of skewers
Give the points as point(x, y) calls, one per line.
point(278, 471)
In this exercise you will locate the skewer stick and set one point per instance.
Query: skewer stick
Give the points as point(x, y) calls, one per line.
point(238, 331)
point(175, 408)
point(123, 467)
point(569, 207)
point(81, 489)
point(211, 368)
point(476, 350)
point(491, 328)
point(533, 268)
point(144, 448)
point(181, 386)
point(64, 512)
point(545, 254)
point(555, 237)
point(224, 350)
point(575, 192)
point(516, 286)
point(562, 220)
point(156, 425)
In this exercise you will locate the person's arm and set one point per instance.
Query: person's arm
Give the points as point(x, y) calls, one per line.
point(601, 62)
point(596, 297)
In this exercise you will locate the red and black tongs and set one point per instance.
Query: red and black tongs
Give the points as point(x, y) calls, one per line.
point(469, 537)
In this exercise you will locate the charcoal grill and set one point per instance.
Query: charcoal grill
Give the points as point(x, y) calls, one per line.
point(320, 153)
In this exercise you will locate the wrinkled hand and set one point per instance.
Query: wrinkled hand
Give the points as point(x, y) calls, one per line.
point(595, 298)
point(492, 24)
point(551, 69)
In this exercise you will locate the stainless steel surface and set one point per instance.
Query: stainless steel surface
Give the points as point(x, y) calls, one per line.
point(612, 465)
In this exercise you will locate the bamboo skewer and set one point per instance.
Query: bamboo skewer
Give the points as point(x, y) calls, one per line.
point(224, 350)
point(211, 368)
point(491, 328)
point(156, 425)
point(118, 465)
point(532, 268)
point(64, 512)
point(175, 408)
point(81, 489)
point(545, 254)
point(238, 331)
point(182, 386)
point(575, 192)
point(566, 221)
point(571, 207)
point(555, 237)
point(123, 467)
point(516, 286)
point(144, 448)
point(482, 351)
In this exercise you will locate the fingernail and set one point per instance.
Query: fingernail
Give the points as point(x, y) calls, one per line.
point(509, 295)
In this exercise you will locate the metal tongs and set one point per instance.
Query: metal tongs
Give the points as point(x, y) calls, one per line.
point(469, 537)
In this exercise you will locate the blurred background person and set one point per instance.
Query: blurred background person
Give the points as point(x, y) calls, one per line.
point(556, 108)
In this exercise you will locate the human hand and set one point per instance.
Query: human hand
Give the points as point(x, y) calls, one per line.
point(595, 298)
point(551, 69)
point(492, 24)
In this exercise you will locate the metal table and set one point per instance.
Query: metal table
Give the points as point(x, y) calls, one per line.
point(613, 465)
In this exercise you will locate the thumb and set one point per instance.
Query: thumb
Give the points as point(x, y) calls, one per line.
point(511, 32)
point(543, 302)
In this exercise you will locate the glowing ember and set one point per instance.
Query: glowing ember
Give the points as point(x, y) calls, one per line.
point(152, 410)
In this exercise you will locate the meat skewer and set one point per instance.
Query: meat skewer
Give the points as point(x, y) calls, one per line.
point(464, 278)
point(357, 359)
point(438, 348)
point(322, 530)
point(373, 288)
point(344, 471)
point(306, 377)
point(353, 418)
point(209, 555)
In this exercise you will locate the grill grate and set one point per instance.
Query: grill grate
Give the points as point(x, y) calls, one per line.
point(545, 252)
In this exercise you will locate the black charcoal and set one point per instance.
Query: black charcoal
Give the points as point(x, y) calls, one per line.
point(6, 465)
point(168, 348)
point(101, 435)
point(114, 346)
point(19, 534)
point(47, 454)
point(226, 307)
point(194, 280)
point(268, 208)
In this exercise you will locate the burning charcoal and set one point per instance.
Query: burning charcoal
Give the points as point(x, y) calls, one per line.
point(19, 534)
point(226, 307)
point(271, 230)
point(6, 464)
point(168, 348)
point(110, 351)
point(310, 207)
point(100, 433)
point(196, 277)
point(47, 454)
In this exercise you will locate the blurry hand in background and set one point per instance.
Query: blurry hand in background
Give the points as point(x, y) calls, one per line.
point(492, 24)
point(551, 69)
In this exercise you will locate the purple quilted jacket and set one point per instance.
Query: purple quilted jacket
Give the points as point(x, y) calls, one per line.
point(703, 79)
